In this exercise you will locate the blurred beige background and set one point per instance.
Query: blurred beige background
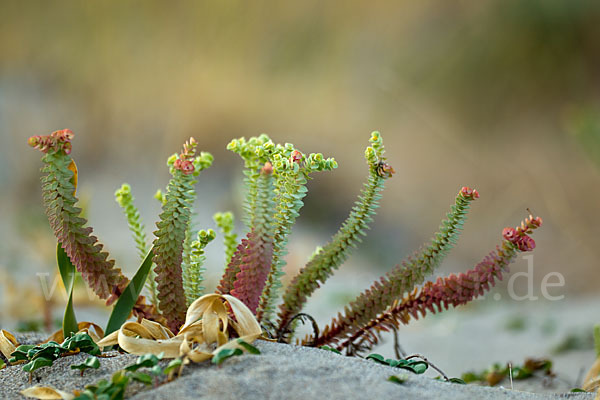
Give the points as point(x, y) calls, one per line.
point(498, 95)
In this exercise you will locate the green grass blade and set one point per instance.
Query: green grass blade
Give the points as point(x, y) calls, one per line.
point(597, 340)
point(128, 298)
point(67, 273)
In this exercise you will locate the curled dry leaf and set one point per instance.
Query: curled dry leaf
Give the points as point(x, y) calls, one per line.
point(207, 325)
point(46, 393)
point(593, 386)
point(8, 343)
point(592, 379)
point(95, 332)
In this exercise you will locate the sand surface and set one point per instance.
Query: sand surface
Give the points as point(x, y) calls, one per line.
point(279, 372)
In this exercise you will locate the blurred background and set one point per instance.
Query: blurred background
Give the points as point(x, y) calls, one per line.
point(498, 95)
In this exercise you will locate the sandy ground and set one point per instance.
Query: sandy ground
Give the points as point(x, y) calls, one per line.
point(279, 372)
point(467, 339)
point(474, 337)
point(481, 336)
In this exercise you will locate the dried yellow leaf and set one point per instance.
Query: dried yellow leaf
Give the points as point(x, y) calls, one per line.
point(95, 332)
point(46, 393)
point(204, 333)
point(73, 167)
point(8, 343)
point(592, 379)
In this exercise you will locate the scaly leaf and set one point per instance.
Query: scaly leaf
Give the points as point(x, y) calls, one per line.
point(141, 377)
point(249, 348)
point(225, 354)
point(89, 363)
point(37, 363)
point(83, 342)
point(173, 365)
point(20, 353)
point(328, 348)
point(145, 361)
